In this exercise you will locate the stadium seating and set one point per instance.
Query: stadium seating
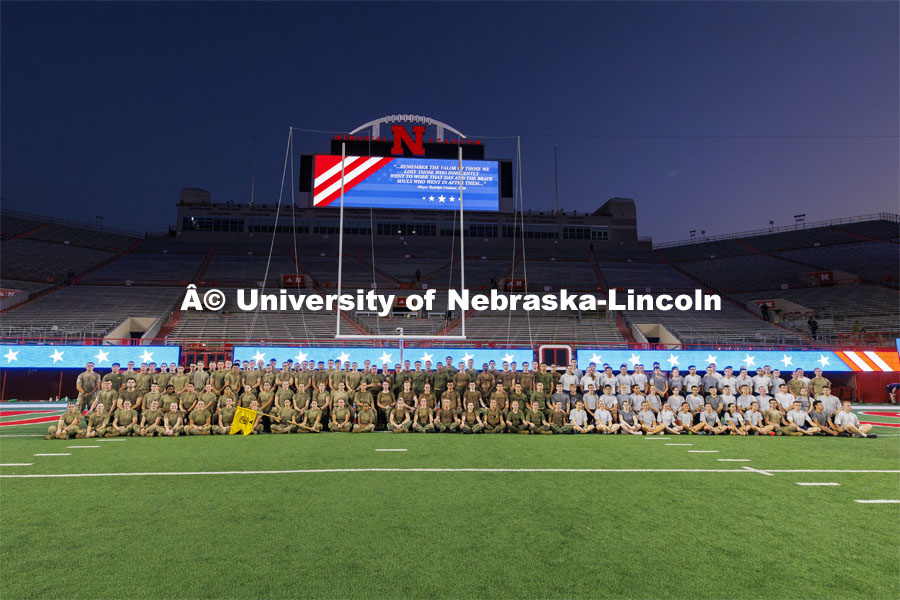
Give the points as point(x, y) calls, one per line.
point(31, 260)
point(878, 262)
point(86, 311)
point(748, 272)
point(145, 268)
point(158, 268)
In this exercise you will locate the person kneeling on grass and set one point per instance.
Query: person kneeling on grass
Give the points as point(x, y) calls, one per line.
point(734, 421)
point(755, 421)
point(286, 415)
point(515, 419)
point(422, 419)
point(669, 420)
point(125, 422)
point(579, 418)
point(312, 419)
point(820, 418)
point(225, 417)
point(365, 419)
point(775, 419)
point(493, 418)
point(534, 418)
point(470, 420)
point(68, 426)
point(603, 419)
point(556, 421)
point(709, 422)
point(647, 419)
point(199, 420)
point(798, 420)
point(340, 418)
point(628, 420)
point(847, 422)
point(97, 422)
point(445, 420)
point(173, 421)
point(150, 420)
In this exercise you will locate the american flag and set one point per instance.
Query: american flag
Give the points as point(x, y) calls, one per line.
point(327, 184)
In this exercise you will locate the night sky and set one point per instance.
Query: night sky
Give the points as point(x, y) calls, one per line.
point(712, 116)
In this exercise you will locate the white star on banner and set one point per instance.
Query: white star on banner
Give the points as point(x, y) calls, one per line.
point(344, 357)
point(823, 360)
point(57, 356)
point(451, 198)
point(11, 355)
point(431, 198)
point(508, 357)
point(426, 356)
point(786, 360)
point(146, 356)
point(385, 358)
point(710, 359)
point(258, 356)
point(635, 359)
point(467, 357)
point(749, 360)
point(101, 356)
point(301, 356)
point(441, 199)
point(673, 360)
point(596, 358)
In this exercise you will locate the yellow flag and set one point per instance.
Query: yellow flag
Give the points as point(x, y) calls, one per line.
point(243, 421)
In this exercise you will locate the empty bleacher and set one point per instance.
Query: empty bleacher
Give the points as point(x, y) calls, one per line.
point(175, 269)
point(878, 262)
point(32, 260)
point(86, 311)
point(748, 272)
point(641, 277)
point(838, 308)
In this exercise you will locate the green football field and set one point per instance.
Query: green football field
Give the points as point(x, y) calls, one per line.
point(449, 516)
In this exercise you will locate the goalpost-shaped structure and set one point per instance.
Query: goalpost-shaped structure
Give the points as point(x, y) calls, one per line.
point(375, 125)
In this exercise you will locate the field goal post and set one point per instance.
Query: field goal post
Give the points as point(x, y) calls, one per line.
point(462, 269)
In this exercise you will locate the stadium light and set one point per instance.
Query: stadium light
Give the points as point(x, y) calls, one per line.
point(693, 233)
point(799, 218)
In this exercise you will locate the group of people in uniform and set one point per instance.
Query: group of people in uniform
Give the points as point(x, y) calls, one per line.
point(536, 399)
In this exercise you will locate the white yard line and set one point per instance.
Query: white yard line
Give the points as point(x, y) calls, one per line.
point(679, 444)
point(702, 451)
point(878, 501)
point(55, 454)
point(733, 459)
point(650, 437)
point(82, 446)
point(21, 435)
point(110, 440)
point(752, 470)
point(15, 464)
point(390, 449)
point(816, 483)
point(416, 470)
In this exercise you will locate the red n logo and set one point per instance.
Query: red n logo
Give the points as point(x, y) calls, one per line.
point(401, 137)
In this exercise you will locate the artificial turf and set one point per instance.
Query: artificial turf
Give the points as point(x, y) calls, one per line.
point(735, 534)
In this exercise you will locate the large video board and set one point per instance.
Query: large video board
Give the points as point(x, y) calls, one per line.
point(406, 183)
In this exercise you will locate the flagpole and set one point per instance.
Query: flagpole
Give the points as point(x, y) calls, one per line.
point(462, 246)
point(341, 237)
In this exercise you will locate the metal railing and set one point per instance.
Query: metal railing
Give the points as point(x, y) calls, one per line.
point(71, 223)
point(885, 216)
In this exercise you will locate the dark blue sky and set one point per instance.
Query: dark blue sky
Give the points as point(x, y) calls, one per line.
point(110, 108)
